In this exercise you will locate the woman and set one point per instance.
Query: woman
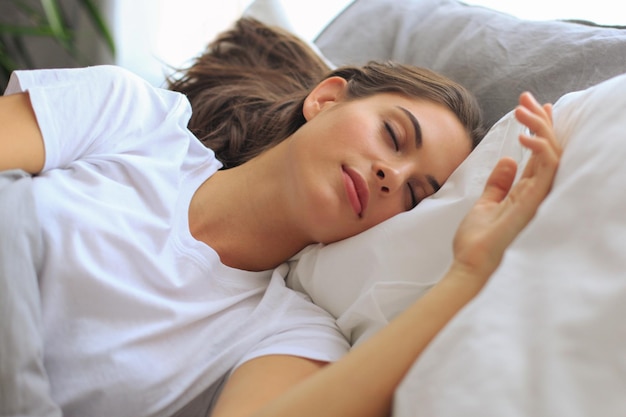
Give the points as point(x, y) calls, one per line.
point(157, 291)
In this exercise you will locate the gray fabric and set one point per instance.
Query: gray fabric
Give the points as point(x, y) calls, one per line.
point(495, 55)
point(24, 388)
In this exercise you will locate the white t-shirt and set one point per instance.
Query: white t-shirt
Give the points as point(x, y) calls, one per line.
point(139, 318)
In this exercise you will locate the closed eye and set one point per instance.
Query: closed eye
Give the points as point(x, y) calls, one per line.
point(392, 135)
point(413, 197)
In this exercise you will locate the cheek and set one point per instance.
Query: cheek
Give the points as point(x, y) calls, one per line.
point(354, 130)
point(389, 210)
point(461, 155)
point(450, 157)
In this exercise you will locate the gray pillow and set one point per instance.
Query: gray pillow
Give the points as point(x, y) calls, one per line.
point(495, 55)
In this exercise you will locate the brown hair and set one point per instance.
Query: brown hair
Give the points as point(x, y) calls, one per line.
point(248, 88)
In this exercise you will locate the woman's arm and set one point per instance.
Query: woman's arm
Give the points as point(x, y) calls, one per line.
point(364, 381)
point(360, 384)
point(21, 142)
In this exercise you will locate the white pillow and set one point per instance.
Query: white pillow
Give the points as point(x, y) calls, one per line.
point(546, 336)
point(369, 278)
point(304, 19)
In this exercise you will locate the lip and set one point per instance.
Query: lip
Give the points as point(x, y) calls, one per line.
point(356, 189)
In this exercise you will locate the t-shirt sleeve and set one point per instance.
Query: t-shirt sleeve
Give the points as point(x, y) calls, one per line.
point(306, 331)
point(94, 111)
point(315, 339)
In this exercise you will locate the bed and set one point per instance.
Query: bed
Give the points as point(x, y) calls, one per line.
point(546, 336)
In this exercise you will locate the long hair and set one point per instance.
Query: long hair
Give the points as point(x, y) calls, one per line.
point(248, 88)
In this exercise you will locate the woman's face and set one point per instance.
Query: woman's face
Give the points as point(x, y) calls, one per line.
point(359, 162)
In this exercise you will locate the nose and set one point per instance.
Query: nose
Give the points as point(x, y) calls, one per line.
point(390, 179)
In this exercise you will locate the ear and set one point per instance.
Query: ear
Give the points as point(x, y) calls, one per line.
point(326, 93)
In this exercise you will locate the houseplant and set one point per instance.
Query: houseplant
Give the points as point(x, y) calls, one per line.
point(52, 33)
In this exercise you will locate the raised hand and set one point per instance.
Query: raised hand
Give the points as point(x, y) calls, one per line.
point(505, 209)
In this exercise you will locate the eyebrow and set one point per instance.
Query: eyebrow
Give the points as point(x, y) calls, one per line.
point(417, 129)
point(418, 144)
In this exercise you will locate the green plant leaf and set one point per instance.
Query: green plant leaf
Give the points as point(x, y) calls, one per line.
point(25, 30)
point(33, 13)
point(57, 24)
point(45, 18)
point(99, 22)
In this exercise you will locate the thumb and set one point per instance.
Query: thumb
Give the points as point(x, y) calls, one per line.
point(500, 181)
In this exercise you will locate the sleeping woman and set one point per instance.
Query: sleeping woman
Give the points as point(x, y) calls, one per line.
point(160, 262)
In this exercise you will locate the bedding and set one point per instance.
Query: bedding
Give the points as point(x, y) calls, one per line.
point(493, 54)
point(544, 337)
point(549, 58)
point(24, 383)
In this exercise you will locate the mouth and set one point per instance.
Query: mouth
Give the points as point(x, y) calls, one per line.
point(356, 189)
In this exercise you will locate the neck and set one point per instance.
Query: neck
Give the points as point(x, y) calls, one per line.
point(245, 218)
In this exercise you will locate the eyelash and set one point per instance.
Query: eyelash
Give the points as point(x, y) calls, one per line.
point(396, 145)
point(392, 135)
point(414, 200)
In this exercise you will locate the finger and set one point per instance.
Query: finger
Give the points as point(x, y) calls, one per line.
point(548, 109)
point(538, 123)
point(526, 99)
point(538, 118)
point(542, 166)
point(530, 111)
point(500, 181)
point(540, 146)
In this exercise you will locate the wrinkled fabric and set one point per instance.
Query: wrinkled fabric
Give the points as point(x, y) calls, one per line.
point(24, 387)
